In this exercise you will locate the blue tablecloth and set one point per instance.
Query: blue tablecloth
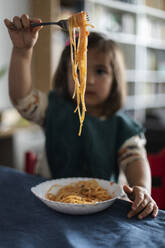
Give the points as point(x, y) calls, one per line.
point(26, 222)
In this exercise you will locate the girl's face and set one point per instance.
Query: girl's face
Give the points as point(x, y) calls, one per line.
point(99, 80)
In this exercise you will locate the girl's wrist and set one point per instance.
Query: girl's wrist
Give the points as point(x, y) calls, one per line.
point(143, 187)
point(23, 52)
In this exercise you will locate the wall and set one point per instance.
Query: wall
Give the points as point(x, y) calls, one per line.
point(8, 9)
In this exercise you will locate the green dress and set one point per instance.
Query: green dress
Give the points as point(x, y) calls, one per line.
point(94, 153)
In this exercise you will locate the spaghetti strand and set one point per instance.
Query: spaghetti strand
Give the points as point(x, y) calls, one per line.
point(78, 22)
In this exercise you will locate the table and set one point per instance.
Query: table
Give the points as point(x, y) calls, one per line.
point(27, 223)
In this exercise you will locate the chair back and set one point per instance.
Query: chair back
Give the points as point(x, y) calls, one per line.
point(30, 162)
point(157, 165)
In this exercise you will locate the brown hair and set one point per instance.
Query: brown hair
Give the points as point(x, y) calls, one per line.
point(117, 94)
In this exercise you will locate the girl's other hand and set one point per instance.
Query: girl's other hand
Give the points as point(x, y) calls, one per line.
point(23, 36)
point(142, 202)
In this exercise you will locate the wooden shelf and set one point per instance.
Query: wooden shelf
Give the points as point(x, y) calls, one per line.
point(117, 5)
point(119, 37)
point(146, 76)
point(134, 40)
point(145, 101)
point(130, 8)
point(141, 46)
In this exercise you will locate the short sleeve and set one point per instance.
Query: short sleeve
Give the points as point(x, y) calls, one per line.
point(33, 106)
point(133, 149)
point(127, 128)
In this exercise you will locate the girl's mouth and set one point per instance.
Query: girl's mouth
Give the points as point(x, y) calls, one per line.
point(90, 93)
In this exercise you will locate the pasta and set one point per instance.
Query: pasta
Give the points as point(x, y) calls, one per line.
point(79, 22)
point(82, 192)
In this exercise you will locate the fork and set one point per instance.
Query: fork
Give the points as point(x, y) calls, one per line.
point(62, 23)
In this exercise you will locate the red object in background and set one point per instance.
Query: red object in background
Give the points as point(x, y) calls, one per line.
point(30, 162)
point(157, 165)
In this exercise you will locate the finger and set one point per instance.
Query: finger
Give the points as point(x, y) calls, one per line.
point(36, 20)
point(128, 190)
point(38, 28)
point(155, 211)
point(148, 210)
point(8, 23)
point(135, 211)
point(17, 22)
point(139, 198)
point(25, 21)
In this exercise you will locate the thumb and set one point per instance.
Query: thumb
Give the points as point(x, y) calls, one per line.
point(37, 28)
point(127, 189)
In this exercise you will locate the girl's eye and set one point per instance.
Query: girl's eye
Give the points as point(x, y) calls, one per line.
point(100, 71)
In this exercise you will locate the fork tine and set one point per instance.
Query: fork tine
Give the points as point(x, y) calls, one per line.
point(63, 24)
point(87, 16)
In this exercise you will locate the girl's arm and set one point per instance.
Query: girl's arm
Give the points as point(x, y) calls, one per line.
point(138, 174)
point(133, 161)
point(20, 79)
point(23, 38)
point(139, 189)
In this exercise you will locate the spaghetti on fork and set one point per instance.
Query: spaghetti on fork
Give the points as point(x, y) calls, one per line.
point(78, 22)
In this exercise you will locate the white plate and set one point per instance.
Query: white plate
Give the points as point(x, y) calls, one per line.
point(113, 189)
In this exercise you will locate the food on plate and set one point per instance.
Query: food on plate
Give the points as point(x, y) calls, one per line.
point(81, 192)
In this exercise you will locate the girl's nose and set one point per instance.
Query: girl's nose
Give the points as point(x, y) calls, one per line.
point(90, 78)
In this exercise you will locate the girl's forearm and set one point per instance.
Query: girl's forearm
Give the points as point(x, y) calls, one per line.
point(138, 174)
point(20, 79)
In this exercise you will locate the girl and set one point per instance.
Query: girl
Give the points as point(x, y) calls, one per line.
point(109, 142)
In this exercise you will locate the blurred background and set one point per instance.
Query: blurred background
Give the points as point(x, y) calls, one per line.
point(139, 28)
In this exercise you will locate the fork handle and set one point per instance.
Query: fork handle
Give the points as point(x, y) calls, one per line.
point(42, 24)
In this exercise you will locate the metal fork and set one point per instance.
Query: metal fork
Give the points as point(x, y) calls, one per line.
point(62, 23)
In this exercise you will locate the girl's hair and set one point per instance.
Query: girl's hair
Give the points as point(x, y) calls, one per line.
point(117, 94)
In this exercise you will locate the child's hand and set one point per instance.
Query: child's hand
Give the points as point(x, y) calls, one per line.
point(22, 35)
point(142, 202)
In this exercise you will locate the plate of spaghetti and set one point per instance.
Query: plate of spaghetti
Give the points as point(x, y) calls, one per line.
point(78, 195)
